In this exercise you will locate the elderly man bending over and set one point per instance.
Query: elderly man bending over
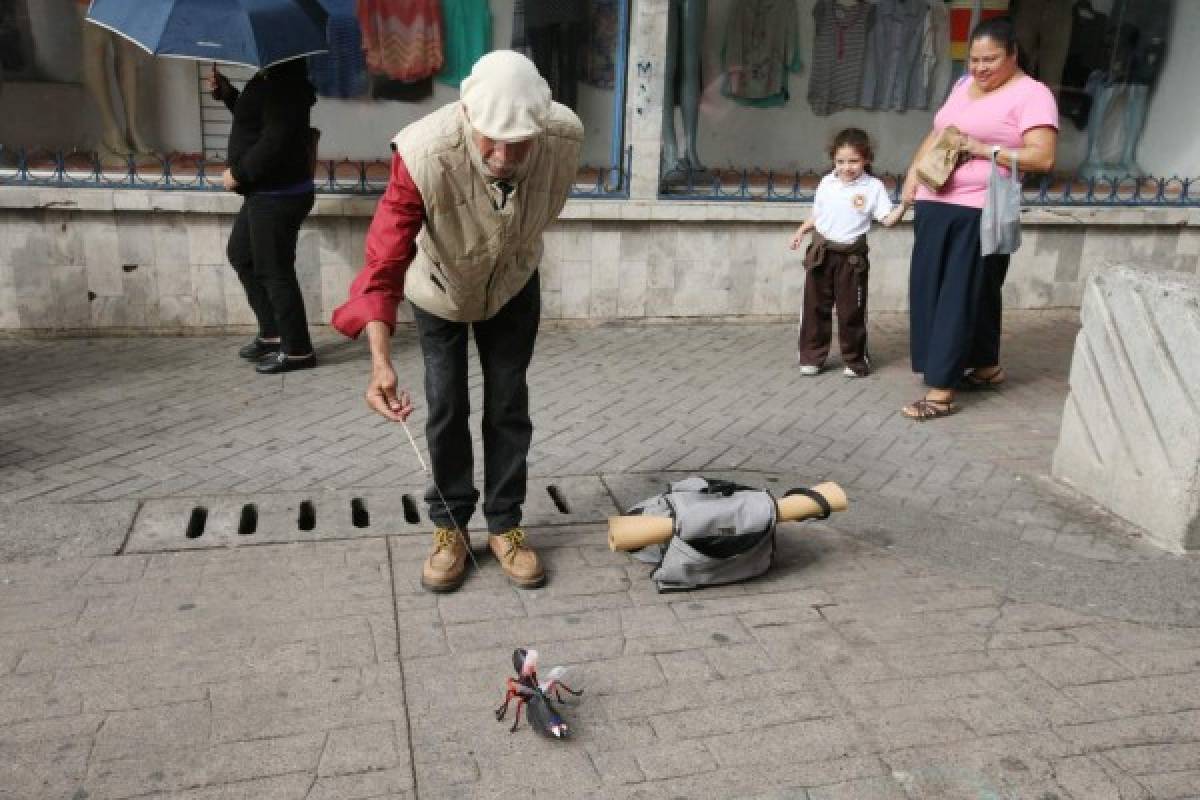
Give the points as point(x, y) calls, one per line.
point(459, 233)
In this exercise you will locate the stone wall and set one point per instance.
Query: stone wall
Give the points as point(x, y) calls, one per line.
point(128, 259)
point(1130, 435)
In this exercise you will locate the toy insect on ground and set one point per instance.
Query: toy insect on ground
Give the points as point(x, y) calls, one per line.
point(536, 697)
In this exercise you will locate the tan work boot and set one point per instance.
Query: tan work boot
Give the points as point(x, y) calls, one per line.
point(446, 567)
point(520, 563)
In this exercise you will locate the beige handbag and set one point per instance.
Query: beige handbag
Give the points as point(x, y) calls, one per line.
point(941, 159)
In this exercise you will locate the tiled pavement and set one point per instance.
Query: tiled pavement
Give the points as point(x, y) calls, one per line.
point(966, 630)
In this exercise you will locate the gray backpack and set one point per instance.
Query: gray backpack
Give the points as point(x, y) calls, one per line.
point(723, 532)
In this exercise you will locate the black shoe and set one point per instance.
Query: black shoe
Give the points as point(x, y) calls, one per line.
point(280, 362)
point(257, 349)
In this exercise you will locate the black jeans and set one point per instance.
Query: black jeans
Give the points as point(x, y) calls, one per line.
point(262, 250)
point(505, 344)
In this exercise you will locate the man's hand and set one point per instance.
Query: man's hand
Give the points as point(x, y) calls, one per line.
point(381, 389)
point(228, 181)
point(382, 396)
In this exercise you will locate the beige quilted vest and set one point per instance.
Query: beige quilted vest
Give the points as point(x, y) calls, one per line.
point(472, 258)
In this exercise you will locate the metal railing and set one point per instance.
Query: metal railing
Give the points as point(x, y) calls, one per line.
point(760, 185)
point(84, 170)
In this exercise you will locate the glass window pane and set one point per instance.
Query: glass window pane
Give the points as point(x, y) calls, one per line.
point(760, 87)
point(390, 62)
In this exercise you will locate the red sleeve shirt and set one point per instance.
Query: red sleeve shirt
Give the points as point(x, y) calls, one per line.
point(391, 245)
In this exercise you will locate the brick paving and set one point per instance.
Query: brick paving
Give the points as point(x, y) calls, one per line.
point(968, 629)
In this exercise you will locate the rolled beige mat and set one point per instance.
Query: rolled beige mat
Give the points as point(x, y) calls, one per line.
point(636, 532)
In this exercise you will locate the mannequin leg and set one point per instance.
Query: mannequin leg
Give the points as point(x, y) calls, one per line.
point(692, 39)
point(1134, 120)
point(128, 62)
point(97, 80)
point(670, 147)
point(1092, 167)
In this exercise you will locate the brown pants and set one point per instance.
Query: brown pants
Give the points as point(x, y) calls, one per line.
point(840, 281)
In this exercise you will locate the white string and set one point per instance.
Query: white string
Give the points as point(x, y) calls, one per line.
point(442, 497)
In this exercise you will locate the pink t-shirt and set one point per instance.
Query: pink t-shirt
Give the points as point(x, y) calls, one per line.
point(1001, 117)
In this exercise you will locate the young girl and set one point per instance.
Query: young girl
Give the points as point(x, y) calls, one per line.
point(847, 199)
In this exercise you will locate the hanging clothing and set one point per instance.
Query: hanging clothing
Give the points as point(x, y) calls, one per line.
point(468, 26)
point(935, 40)
point(1040, 27)
point(540, 13)
point(894, 75)
point(964, 16)
point(599, 63)
point(1140, 44)
point(519, 42)
point(839, 48)
point(555, 31)
point(762, 45)
point(342, 72)
point(1087, 54)
point(402, 38)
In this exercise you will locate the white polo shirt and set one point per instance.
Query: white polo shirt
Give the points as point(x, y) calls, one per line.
point(842, 211)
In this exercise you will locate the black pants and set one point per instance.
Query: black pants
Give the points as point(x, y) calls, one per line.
point(839, 280)
point(505, 344)
point(955, 301)
point(262, 250)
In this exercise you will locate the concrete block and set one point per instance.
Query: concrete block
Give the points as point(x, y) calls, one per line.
point(171, 243)
point(576, 291)
point(1130, 436)
point(208, 283)
point(176, 311)
point(204, 242)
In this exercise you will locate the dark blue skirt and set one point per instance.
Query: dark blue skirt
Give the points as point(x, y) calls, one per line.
point(954, 296)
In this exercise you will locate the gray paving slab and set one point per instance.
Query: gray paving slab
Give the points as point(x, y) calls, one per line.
point(64, 530)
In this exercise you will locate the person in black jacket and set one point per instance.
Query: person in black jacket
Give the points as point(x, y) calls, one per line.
point(271, 165)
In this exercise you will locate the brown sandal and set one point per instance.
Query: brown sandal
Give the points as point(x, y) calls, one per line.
point(926, 409)
point(993, 381)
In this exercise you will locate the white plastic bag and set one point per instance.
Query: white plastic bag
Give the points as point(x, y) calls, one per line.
point(1000, 226)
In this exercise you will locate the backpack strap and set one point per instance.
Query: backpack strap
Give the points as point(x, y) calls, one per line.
point(725, 488)
point(815, 497)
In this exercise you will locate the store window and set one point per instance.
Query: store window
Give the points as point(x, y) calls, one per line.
point(757, 88)
point(390, 62)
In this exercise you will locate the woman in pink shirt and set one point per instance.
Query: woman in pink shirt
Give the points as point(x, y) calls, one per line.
point(954, 291)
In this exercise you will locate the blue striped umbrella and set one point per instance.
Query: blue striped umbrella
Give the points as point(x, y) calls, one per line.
point(254, 33)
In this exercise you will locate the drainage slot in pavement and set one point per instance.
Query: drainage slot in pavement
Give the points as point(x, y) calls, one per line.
point(307, 520)
point(248, 521)
point(411, 515)
point(358, 513)
point(196, 522)
point(560, 499)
